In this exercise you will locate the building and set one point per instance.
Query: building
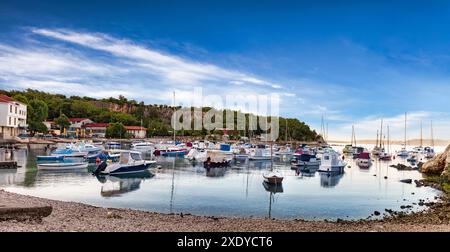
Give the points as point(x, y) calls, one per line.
point(52, 127)
point(76, 124)
point(99, 129)
point(13, 117)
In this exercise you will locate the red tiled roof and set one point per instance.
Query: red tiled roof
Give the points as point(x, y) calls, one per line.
point(135, 128)
point(90, 125)
point(99, 125)
point(77, 119)
point(5, 98)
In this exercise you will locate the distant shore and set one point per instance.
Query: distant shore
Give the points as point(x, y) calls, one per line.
point(412, 142)
point(70, 216)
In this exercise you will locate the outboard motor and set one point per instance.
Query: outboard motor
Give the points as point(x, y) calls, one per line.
point(101, 167)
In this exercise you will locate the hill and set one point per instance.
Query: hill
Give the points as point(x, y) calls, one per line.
point(155, 117)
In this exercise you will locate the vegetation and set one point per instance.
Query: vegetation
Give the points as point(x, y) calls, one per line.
point(116, 130)
point(37, 114)
point(156, 118)
point(62, 121)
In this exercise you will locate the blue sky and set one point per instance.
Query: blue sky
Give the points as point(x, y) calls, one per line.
point(354, 62)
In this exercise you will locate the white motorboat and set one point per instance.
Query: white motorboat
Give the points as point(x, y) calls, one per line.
point(260, 153)
point(305, 161)
point(130, 162)
point(402, 153)
point(61, 166)
point(143, 146)
point(363, 160)
point(331, 162)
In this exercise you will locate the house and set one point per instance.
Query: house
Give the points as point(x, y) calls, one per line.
point(13, 117)
point(76, 124)
point(99, 129)
point(52, 127)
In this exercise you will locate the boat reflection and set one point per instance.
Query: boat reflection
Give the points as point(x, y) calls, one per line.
point(118, 184)
point(215, 172)
point(306, 172)
point(273, 189)
point(329, 180)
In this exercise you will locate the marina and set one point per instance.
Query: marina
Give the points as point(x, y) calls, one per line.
point(241, 189)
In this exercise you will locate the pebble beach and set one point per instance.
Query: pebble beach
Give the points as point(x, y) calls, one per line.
point(70, 217)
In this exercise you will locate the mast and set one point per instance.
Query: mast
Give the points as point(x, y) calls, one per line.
point(381, 133)
point(421, 136)
point(174, 131)
point(405, 128)
point(388, 141)
point(377, 140)
point(327, 134)
point(432, 135)
point(353, 135)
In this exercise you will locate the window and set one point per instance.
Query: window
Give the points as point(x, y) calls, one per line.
point(10, 108)
point(15, 122)
point(9, 120)
point(15, 110)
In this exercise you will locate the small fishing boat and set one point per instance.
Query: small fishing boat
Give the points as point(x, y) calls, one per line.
point(402, 153)
point(216, 158)
point(69, 153)
point(331, 162)
point(174, 152)
point(113, 145)
point(50, 158)
point(62, 166)
point(273, 177)
point(305, 160)
point(412, 158)
point(385, 156)
point(260, 153)
point(143, 146)
point(130, 162)
point(363, 160)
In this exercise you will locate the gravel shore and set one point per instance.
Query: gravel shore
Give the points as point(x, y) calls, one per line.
point(70, 216)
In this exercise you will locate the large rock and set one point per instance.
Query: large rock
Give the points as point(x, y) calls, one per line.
point(437, 164)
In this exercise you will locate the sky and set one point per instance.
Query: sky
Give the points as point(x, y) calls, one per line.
point(352, 62)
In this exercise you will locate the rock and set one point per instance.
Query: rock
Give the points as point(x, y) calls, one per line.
point(376, 213)
point(418, 183)
point(437, 164)
point(402, 167)
point(408, 181)
point(402, 207)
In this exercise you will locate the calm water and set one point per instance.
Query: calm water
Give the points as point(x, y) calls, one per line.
point(179, 186)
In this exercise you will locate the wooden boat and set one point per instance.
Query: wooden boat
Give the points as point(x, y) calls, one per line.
point(273, 178)
point(62, 166)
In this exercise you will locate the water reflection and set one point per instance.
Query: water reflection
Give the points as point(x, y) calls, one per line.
point(215, 172)
point(272, 189)
point(329, 180)
point(119, 184)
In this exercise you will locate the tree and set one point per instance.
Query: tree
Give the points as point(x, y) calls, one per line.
point(116, 130)
point(21, 98)
point(62, 121)
point(37, 114)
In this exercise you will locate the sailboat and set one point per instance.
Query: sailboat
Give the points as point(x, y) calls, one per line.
point(273, 177)
point(386, 156)
point(378, 149)
point(429, 150)
point(419, 149)
point(348, 149)
point(403, 152)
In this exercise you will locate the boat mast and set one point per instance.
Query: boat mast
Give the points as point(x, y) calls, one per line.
point(377, 140)
point(432, 135)
point(405, 129)
point(421, 136)
point(174, 122)
point(381, 133)
point(388, 141)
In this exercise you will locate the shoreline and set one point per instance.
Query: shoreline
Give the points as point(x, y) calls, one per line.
point(80, 217)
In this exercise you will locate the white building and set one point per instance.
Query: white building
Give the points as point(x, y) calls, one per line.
point(76, 124)
point(13, 117)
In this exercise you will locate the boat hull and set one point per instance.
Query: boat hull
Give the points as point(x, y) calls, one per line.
point(273, 180)
point(62, 166)
point(125, 169)
point(50, 158)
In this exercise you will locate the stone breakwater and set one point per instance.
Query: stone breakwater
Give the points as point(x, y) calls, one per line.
point(69, 216)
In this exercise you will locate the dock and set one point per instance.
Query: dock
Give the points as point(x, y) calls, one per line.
point(15, 211)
